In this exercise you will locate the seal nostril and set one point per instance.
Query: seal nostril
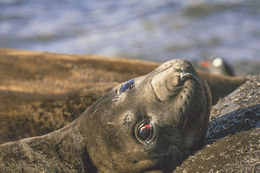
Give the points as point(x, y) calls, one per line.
point(185, 76)
point(179, 80)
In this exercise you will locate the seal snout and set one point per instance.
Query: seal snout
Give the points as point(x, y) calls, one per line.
point(170, 80)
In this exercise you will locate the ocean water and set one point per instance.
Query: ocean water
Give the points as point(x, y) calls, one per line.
point(149, 30)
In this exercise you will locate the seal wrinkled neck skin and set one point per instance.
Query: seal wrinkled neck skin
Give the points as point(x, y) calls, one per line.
point(151, 122)
point(60, 151)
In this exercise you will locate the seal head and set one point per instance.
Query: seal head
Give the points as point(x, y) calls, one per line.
point(152, 122)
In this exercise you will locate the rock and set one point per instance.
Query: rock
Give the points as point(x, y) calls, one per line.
point(236, 153)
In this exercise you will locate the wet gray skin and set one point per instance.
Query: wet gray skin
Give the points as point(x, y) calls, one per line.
point(152, 122)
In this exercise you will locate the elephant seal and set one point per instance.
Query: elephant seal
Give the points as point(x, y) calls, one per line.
point(151, 122)
point(41, 92)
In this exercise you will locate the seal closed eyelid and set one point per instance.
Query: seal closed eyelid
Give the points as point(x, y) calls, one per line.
point(128, 85)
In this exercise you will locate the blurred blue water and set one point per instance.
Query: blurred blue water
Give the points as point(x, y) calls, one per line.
point(151, 30)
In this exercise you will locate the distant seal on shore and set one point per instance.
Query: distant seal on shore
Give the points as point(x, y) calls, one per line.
point(41, 92)
point(149, 123)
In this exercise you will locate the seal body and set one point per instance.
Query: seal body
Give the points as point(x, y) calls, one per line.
point(60, 151)
point(41, 92)
point(151, 122)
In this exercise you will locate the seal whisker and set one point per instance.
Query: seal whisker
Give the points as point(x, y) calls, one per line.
point(98, 106)
point(93, 113)
point(110, 123)
point(117, 133)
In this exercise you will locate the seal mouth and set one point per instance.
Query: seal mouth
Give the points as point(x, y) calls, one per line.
point(189, 104)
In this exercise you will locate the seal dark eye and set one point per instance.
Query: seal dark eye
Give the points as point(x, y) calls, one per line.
point(145, 131)
point(127, 85)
